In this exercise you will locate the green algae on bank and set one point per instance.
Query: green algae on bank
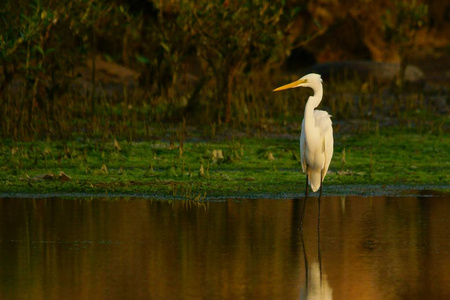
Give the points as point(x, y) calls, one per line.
point(226, 168)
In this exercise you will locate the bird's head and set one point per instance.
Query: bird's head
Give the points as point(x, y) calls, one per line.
point(311, 80)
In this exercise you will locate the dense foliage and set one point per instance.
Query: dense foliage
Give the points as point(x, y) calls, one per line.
point(195, 62)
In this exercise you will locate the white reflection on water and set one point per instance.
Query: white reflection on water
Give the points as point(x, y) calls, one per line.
point(318, 286)
point(316, 282)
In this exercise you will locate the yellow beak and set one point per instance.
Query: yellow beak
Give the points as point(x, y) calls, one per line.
point(290, 85)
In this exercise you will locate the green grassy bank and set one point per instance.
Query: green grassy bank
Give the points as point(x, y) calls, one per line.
point(199, 168)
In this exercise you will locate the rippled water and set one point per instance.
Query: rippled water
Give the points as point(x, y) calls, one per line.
point(131, 248)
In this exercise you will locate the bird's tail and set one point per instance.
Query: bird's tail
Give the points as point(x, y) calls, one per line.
point(314, 180)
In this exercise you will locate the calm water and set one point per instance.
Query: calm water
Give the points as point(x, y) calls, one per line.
point(117, 248)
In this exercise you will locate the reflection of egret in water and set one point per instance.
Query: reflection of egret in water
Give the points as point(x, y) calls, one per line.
point(316, 284)
point(318, 287)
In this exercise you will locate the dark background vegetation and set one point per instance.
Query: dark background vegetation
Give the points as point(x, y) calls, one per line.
point(134, 69)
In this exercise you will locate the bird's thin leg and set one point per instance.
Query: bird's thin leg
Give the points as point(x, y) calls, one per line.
point(304, 202)
point(320, 196)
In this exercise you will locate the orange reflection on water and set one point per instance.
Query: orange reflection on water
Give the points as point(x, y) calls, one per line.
point(369, 248)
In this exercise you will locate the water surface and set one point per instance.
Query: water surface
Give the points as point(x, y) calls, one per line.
point(133, 248)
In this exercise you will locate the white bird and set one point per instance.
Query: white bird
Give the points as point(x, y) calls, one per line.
point(316, 139)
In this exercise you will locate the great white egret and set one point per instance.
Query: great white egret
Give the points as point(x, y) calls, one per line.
point(316, 139)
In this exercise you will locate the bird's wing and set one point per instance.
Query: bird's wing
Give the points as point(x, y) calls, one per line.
point(323, 122)
point(328, 150)
point(303, 147)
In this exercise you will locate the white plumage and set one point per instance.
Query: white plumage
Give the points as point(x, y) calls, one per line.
point(316, 139)
point(317, 158)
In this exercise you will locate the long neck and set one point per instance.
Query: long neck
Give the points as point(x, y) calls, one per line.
point(312, 103)
point(311, 131)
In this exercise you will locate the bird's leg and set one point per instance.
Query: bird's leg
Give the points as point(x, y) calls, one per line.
point(320, 196)
point(304, 202)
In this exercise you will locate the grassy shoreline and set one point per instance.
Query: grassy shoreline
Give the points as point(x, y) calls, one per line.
point(235, 167)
